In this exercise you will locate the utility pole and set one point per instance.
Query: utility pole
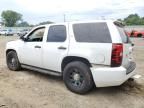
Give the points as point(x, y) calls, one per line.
point(103, 17)
point(0, 22)
point(64, 18)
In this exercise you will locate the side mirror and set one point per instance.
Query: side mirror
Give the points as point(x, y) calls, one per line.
point(23, 38)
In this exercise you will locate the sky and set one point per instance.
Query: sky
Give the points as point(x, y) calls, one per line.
point(35, 11)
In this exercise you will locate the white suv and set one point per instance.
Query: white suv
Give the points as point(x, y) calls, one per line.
point(83, 53)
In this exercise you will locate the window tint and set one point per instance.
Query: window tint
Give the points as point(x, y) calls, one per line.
point(92, 32)
point(57, 33)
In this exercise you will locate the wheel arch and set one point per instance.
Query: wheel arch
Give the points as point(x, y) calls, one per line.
point(69, 59)
point(8, 50)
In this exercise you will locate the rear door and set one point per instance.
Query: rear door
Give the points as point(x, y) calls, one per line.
point(56, 47)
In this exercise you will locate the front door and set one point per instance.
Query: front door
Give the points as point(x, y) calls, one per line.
point(31, 50)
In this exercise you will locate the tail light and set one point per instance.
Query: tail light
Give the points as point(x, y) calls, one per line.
point(117, 54)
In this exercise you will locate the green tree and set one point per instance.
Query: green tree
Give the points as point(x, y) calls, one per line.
point(23, 24)
point(142, 21)
point(132, 19)
point(119, 19)
point(46, 22)
point(10, 18)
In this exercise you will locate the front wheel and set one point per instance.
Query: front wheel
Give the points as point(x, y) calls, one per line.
point(77, 77)
point(12, 61)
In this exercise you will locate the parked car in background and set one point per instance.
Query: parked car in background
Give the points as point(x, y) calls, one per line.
point(6, 32)
point(23, 32)
point(135, 33)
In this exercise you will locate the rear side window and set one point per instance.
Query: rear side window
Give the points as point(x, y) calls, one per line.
point(56, 33)
point(92, 32)
point(124, 37)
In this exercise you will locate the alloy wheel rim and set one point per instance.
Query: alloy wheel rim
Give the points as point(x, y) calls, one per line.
point(76, 78)
point(12, 61)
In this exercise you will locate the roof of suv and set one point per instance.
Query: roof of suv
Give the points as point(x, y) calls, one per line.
point(91, 21)
point(72, 22)
point(113, 30)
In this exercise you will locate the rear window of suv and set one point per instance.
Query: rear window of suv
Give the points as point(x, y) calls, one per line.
point(92, 32)
point(124, 37)
point(122, 32)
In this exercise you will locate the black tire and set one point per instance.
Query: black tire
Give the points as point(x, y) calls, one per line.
point(139, 35)
point(77, 77)
point(12, 61)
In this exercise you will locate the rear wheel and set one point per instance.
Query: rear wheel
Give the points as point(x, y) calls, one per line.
point(139, 35)
point(77, 77)
point(12, 61)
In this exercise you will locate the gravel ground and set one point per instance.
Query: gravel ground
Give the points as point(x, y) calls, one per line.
point(29, 89)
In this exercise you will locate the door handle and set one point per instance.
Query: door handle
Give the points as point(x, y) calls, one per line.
point(63, 48)
point(37, 46)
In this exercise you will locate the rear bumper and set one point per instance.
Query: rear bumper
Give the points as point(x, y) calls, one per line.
point(109, 76)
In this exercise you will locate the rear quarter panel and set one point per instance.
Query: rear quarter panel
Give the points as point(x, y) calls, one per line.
point(95, 53)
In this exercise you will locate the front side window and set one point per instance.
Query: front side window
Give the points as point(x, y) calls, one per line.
point(92, 32)
point(56, 33)
point(36, 35)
